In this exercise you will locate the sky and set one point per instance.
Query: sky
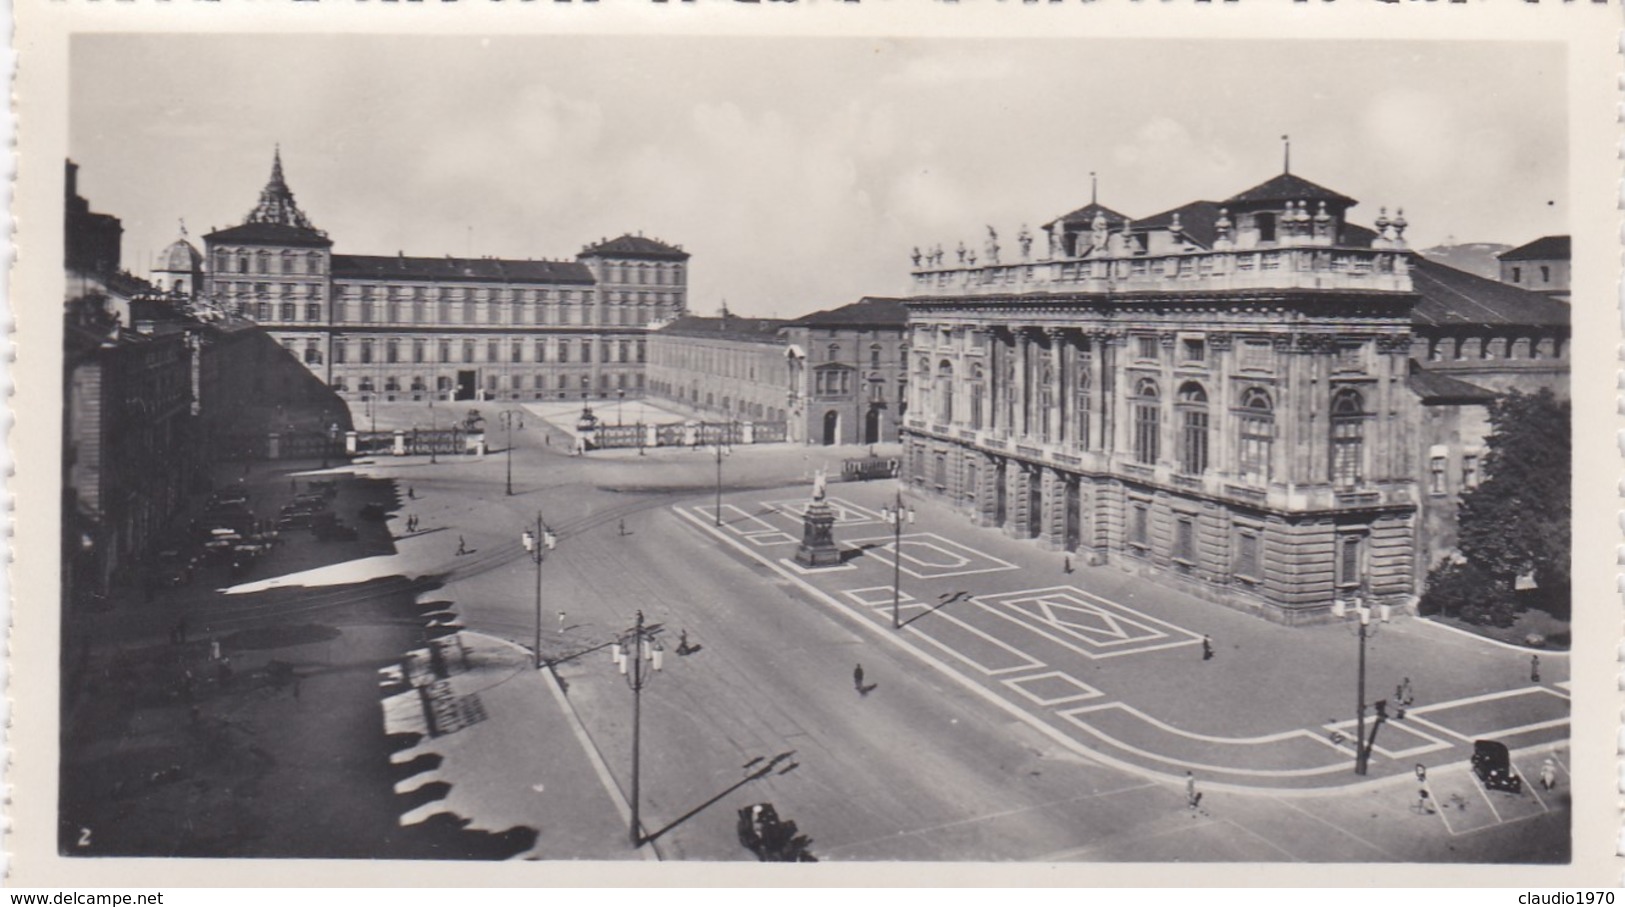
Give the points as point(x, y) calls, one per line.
point(798, 172)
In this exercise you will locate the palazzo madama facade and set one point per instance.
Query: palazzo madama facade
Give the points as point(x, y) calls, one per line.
point(1218, 395)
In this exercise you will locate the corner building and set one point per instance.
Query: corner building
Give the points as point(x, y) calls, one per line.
point(403, 328)
point(1217, 396)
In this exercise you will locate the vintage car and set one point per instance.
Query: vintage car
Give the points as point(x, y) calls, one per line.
point(1493, 766)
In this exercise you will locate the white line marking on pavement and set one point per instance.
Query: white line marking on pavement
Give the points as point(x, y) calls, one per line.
point(1485, 697)
point(1486, 795)
point(1089, 692)
point(1337, 828)
point(1070, 715)
point(1035, 722)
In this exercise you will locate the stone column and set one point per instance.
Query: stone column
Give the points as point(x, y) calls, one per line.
point(1058, 393)
point(1053, 531)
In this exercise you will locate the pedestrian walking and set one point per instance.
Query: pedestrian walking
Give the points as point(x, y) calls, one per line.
point(1534, 669)
point(1067, 565)
point(623, 528)
point(1193, 797)
point(1402, 693)
point(462, 547)
point(857, 678)
point(682, 641)
point(1207, 649)
point(411, 493)
point(1548, 774)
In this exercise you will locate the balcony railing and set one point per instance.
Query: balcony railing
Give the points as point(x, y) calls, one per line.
point(1295, 268)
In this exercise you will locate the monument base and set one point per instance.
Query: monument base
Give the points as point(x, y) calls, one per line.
point(817, 542)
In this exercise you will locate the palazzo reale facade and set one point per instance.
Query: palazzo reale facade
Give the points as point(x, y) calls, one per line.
point(1217, 395)
point(398, 327)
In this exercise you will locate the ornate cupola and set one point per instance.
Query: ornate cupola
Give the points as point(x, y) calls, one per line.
point(276, 205)
point(179, 267)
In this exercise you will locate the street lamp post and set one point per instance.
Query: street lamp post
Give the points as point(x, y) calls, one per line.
point(434, 424)
point(620, 397)
point(538, 543)
point(722, 451)
point(896, 517)
point(510, 419)
point(1363, 746)
point(642, 647)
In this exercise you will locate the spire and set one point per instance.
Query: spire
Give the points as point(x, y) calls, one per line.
point(1094, 186)
point(1286, 152)
point(276, 204)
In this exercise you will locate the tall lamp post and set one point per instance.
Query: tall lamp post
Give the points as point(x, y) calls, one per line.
point(620, 398)
point(722, 451)
point(1363, 746)
point(896, 517)
point(509, 420)
point(537, 544)
point(434, 424)
point(640, 641)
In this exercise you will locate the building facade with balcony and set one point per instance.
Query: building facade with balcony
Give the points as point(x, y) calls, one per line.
point(848, 373)
point(1217, 395)
point(403, 328)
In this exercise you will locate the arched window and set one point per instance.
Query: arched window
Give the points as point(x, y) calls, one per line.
point(1193, 424)
point(262, 261)
point(1348, 438)
point(287, 261)
point(242, 262)
point(978, 387)
point(1147, 422)
point(1255, 418)
point(1083, 403)
point(945, 392)
point(1046, 397)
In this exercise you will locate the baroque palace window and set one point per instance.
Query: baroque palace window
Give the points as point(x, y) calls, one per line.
point(1256, 421)
point(1147, 422)
point(1348, 438)
point(1193, 424)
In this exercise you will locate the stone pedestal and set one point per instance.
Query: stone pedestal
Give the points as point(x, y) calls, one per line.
point(398, 443)
point(817, 544)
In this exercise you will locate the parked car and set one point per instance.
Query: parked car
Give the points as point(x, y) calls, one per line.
point(1493, 766)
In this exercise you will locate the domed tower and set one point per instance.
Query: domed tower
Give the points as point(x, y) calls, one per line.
point(179, 268)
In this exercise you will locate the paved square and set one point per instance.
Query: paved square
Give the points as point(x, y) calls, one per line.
point(1087, 624)
point(926, 555)
point(881, 597)
point(1053, 688)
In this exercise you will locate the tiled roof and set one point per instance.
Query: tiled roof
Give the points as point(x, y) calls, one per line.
point(270, 235)
point(1086, 216)
point(733, 327)
point(629, 246)
point(400, 267)
point(1287, 187)
point(1545, 248)
point(870, 311)
point(1196, 220)
point(1453, 297)
point(1433, 387)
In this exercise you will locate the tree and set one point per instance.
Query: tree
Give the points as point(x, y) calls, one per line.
point(1517, 522)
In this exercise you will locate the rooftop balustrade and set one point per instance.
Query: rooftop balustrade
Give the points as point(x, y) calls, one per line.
point(1292, 268)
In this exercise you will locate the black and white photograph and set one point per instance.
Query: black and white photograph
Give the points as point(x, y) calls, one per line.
point(841, 449)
